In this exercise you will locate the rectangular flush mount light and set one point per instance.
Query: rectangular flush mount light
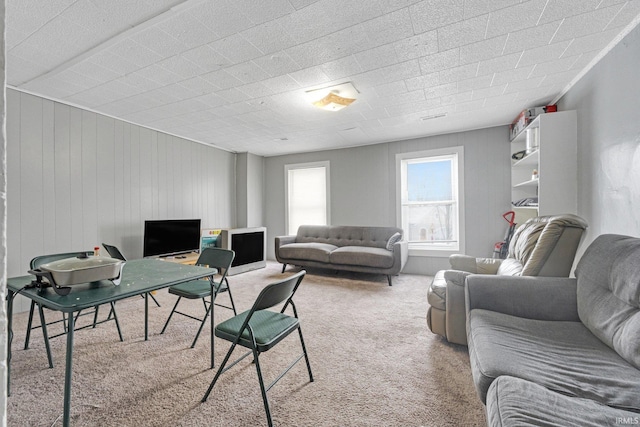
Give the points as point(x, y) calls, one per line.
point(333, 98)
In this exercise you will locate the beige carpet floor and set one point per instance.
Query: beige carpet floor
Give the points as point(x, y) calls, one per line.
point(374, 361)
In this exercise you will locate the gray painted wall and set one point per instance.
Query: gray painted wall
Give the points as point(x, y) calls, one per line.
point(363, 188)
point(77, 179)
point(606, 100)
point(249, 190)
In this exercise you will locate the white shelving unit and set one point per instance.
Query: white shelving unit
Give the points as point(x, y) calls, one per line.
point(555, 160)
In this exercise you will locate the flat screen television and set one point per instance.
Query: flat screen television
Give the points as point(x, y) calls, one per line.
point(250, 246)
point(171, 237)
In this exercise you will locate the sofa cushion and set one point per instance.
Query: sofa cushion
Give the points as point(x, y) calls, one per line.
point(516, 402)
point(307, 251)
point(609, 293)
point(362, 256)
point(346, 235)
point(510, 267)
point(562, 356)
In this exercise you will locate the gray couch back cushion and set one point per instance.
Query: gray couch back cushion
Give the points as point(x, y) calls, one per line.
point(346, 235)
point(609, 293)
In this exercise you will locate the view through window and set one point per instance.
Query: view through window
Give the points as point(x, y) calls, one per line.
point(307, 195)
point(430, 199)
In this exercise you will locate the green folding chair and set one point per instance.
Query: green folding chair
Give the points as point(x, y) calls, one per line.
point(220, 259)
point(36, 263)
point(260, 329)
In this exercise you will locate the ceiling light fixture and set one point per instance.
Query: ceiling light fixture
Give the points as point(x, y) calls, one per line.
point(333, 98)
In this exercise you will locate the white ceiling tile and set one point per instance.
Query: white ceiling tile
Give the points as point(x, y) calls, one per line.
point(542, 54)
point(269, 37)
point(462, 72)
point(341, 67)
point(482, 50)
point(531, 37)
point(221, 79)
point(277, 64)
point(423, 81)
point(481, 7)
point(310, 77)
point(567, 8)
point(155, 39)
point(188, 30)
point(417, 46)
point(531, 83)
point(281, 84)
point(476, 83)
point(432, 14)
point(439, 91)
point(489, 92)
point(509, 76)
point(462, 32)
point(389, 28)
point(206, 58)
point(263, 11)
point(390, 89)
point(221, 16)
point(555, 66)
point(629, 11)
point(440, 61)
point(494, 65)
point(233, 73)
point(586, 23)
point(135, 53)
point(235, 48)
point(515, 18)
point(377, 57)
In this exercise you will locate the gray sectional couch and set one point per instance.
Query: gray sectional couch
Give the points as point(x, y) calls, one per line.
point(560, 351)
point(351, 248)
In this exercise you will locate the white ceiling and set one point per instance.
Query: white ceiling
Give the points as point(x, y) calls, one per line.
point(233, 73)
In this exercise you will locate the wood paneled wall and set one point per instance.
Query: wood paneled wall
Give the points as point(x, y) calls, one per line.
point(78, 178)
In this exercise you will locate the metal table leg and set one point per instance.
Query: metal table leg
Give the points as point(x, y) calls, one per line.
point(146, 316)
point(212, 323)
point(68, 372)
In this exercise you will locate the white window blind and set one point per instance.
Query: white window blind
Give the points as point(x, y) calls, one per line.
point(307, 195)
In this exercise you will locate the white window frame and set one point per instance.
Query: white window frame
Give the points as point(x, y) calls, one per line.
point(433, 250)
point(311, 165)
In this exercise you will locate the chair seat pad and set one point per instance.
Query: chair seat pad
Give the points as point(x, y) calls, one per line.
point(194, 289)
point(269, 328)
point(560, 355)
point(516, 402)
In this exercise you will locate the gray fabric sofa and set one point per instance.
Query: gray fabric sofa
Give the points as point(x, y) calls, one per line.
point(542, 246)
point(351, 248)
point(560, 351)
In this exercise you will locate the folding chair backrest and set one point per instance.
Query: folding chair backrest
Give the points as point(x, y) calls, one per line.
point(114, 252)
point(218, 258)
point(43, 259)
point(278, 292)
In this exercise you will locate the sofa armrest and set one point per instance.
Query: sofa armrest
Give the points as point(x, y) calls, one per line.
point(284, 240)
point(541, 298)
point(474, 265)
point(400, 254)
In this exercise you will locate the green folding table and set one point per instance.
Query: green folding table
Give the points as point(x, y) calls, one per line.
point(139, 277)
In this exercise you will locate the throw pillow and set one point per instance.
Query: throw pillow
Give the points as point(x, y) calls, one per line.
point(393, 240)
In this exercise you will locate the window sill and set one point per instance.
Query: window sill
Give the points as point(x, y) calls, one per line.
point(438, 253)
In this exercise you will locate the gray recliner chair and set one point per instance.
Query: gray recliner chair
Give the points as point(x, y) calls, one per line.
point(542, 246)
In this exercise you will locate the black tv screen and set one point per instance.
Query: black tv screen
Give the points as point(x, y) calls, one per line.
point(171, 236)
point(249, 247)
